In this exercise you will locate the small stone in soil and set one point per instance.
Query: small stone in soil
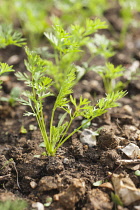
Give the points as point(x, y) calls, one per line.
point(14, 59)
point(66, 161)
point(33, 184)
point(38, 206)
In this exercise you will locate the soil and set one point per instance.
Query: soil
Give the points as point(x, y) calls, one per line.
point(69, 176)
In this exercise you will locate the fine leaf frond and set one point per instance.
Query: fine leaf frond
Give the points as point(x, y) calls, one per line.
point(110, 100)
point(4, 68)
point(29, 114)
point(66, 89)
point(93, 25)
point(8, 36)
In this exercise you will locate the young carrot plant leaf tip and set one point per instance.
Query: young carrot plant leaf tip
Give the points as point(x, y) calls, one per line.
point(55, 135)
point(4, 68)
point(109, 74)
point(68, 45)
point(8, 36)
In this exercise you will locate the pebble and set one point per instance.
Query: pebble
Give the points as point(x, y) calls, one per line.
point(14, 59)
point(94, 83)
point(66, 161)
point(128, 109)
point(33, 184)
point(38, 206)
point(87, 95)
point(85, 82)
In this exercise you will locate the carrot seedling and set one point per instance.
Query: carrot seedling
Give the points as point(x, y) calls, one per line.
point(13, 96)
point(128, 11)
point(9, 37)
point(54, 135)
point(109, 74)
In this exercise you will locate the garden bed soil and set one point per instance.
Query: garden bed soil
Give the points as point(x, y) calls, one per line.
point(69, 176)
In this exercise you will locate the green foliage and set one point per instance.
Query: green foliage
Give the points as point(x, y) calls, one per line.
point(98, 183)
point(102, 46)
point(6, 162)
point(23, 130)
point(35, 16)
point(66, 42)
point(68, 47)
point(14, 95)
point(109, 74)
point(55, 135)
point(116, 199)
point(4, 68)
point(48, 201)
point(78, 10)
point(30, 14)
point(7, 17)
point(127, 12)
point(137, 172)
point(9, 36)
point(12, 205)
point(99, 45)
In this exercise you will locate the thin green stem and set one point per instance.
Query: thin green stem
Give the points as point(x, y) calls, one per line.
point(56, 57)
point(71, 134)
point(90, 58)
point(41, 124)
point(123, 36)
point(51, 123)
point(66, 131)
point(70, 122)
point(40, 117)
point(107, 85)
point(77, 129)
